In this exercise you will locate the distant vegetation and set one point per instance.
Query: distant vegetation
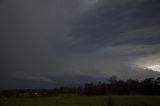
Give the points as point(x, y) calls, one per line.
point(149, 86)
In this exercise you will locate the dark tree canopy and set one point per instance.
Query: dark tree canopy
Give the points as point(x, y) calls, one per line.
point(149, 86)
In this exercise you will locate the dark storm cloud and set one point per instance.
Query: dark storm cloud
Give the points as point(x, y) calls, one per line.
point(55, 42)
point(134, 22)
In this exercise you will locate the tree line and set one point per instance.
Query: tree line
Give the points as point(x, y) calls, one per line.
point(149, 86)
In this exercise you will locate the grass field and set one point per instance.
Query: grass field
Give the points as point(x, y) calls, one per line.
point(84, 101)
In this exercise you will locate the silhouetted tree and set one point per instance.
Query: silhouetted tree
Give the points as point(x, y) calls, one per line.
point(148, 86)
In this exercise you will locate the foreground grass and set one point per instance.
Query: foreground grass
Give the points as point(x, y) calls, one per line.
point(84, 101)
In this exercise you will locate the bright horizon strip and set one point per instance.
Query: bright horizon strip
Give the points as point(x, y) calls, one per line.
point(154, 68)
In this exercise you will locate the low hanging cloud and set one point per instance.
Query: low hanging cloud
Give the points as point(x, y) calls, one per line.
point(56, 42)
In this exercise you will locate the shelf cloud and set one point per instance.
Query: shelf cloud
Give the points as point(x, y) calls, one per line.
point(53, 41)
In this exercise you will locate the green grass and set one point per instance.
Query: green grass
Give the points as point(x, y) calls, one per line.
point(84, 101)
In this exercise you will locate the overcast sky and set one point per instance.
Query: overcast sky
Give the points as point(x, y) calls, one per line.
point(51, 43)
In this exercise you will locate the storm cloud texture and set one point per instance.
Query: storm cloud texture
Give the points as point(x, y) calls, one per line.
point(51, 43)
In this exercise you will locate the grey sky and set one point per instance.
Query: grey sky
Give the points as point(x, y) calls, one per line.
point(51, 43)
